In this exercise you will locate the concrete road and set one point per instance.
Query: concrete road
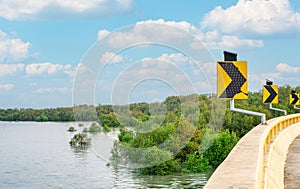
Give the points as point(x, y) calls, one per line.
point(292, 166)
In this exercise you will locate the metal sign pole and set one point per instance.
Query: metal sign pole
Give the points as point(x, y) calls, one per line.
point(276, 109)
point(262, 115)
point(296, 107)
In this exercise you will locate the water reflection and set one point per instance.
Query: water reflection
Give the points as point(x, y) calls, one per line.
point(135, 180)
point(80, 152)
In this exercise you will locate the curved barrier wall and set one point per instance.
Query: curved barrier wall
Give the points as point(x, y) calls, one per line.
point(257, 161)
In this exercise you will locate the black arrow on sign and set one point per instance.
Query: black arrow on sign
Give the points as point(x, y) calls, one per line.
point(237, 82)
point(295, 97)
point(273, 94)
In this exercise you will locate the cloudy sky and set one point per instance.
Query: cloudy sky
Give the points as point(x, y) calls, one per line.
point(45, 48)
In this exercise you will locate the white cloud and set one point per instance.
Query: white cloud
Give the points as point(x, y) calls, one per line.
point(261, 77)
point(257, 80)
point(83, 70)
point(186, 26)
point(285, 74)
point(172, 66)
point(233, 42)
point(10, 69)
point(111, 57)
point(286, 68)
point(165, 62)
point(37, 9)
point(167, 74)
point(152, 31)
point(6, 87)
point(167, 66)
point(257, 16)
point(175, 70)
point(47, 67)
point(156, 30)
point(12, 49)
point(53, 90)
point(159, 75)
point(102, 34)
point(174, 58)
point(209, 68)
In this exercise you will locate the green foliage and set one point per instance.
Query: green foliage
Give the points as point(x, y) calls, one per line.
point(165, 168)
point(80, 140)
point(125, 136)
point(80, 124)
point(94, 128)
point(140, 111)
point(196, 163)
point(109, 120)
point(173, 104)
point(41, 118)
point(85, 113)
point(107, 117)
point(106, 128)
point(55, 114)
point(218, 151)
point(198, 154)
point(151, 156)
point(72, 129)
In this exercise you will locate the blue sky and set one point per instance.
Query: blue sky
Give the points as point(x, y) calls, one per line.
point(42, 44)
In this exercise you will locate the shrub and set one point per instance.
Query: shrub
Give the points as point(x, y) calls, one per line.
point(72, 129)
point(94, 128)
point(80, 140)
point(196, 163)
point(220, 148)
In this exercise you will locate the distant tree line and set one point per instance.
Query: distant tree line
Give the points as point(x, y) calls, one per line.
point(42, 115)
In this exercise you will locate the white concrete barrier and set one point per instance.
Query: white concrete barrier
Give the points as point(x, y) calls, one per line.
point(274, 172)
point(254, 161)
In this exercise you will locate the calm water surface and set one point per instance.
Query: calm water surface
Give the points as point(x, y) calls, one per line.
point(38, 155)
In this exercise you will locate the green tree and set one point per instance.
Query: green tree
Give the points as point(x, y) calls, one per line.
point(196, 163)
point(220, 148)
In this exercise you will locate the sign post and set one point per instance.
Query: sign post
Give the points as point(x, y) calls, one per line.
point(233, 82)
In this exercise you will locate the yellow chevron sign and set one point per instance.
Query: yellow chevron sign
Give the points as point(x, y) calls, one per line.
point(270, 94)
point(232, 79)
point(295, 99)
